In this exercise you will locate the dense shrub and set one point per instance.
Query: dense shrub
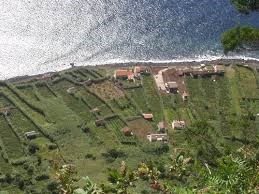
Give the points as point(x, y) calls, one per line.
point(113, 154)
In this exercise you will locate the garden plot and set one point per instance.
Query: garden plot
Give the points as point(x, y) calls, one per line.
point(89, 73)
point(107, 90)
point(21, 122)
point(93, 101)
point(116, 124)
point(62, 84)
point(153, 98)
point(5, 167)
point(80, 76)
point(247, 82)
point(45, 91)
point(197, 100)
point(137, 94)
point(76, 104)
point(11, 142)
point(124, 107)
point(28, 91)
point(140, 128)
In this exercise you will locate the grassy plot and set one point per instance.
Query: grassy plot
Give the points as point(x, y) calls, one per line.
point(140, 128)
point(197, 101)
point(232, 82)
point(28, 91)
point(12, 144)
point(74, 103)
point(21, 122)
point(116, 124)
point(137, 94)
point(123, 106)
point(153, 98)
point(246, 82)
point(89, 73)
point(4, 166)
point(45, 91)
point(107, 90)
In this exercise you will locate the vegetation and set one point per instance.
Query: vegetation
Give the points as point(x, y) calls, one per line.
point(242, 37)
point(245, 6)
point(79, 126)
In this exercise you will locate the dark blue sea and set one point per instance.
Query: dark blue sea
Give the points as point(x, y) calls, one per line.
point(46, 35)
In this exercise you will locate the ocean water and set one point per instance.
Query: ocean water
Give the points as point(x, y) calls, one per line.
point(46, 35)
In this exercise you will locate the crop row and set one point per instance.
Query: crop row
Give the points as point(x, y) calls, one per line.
point(116, 124)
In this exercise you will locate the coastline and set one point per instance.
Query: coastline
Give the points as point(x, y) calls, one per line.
point(228, 61)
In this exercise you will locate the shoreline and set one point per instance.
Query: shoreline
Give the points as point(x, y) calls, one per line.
point(251, 62)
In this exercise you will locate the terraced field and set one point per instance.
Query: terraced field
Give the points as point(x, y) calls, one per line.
point(11, 142)
point(65, 110)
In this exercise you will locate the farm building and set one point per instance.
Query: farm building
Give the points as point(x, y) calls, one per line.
point(127, 131)
point(95, 110)
point(44, 76)
point(161, 126)
point(148, 116)
point(158, 137)
point(123, 74)
point(178, 124)
point(172, 87)
point(185, 96)
point(100, 122)
point(5, 111)
point(139, 70)
point(31, 134)
point(71, 90)
point(219, 68)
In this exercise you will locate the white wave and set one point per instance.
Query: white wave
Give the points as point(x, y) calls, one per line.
point(7, 72)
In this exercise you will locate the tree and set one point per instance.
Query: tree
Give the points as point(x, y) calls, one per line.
point(242, 37)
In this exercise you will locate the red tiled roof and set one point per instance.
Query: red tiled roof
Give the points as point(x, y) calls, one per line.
point(185, 93)
point(147, 116)
point(127, 131)
point(161, 125)
point(123, 73)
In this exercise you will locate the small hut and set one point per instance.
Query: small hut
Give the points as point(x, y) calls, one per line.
point(127, 131)
point(31, 134)
point(185, 96)
point(178, 124)
point(161, 127)
point(158, 137)
point(100, 122)
point(148, 116)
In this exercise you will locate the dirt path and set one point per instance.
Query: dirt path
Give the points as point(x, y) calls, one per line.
point(159, 80)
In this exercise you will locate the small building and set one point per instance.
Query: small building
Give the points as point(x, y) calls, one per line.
point(127, 131)
point(100, 122)
point(219, 68)
point(139, 70)
point(123, 74)
point(158, 137)
point(45, 76)
point(178, 124)
point(71, 90)
point(31, 134)
point(131, 77)
point(185, 96)
point(148, 116)
point(161, 127)
point(95, 110)
point(202, 66)
point(5, 111)
point(172, 87)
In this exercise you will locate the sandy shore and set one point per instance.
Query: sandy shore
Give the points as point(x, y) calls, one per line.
point(252, 63)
